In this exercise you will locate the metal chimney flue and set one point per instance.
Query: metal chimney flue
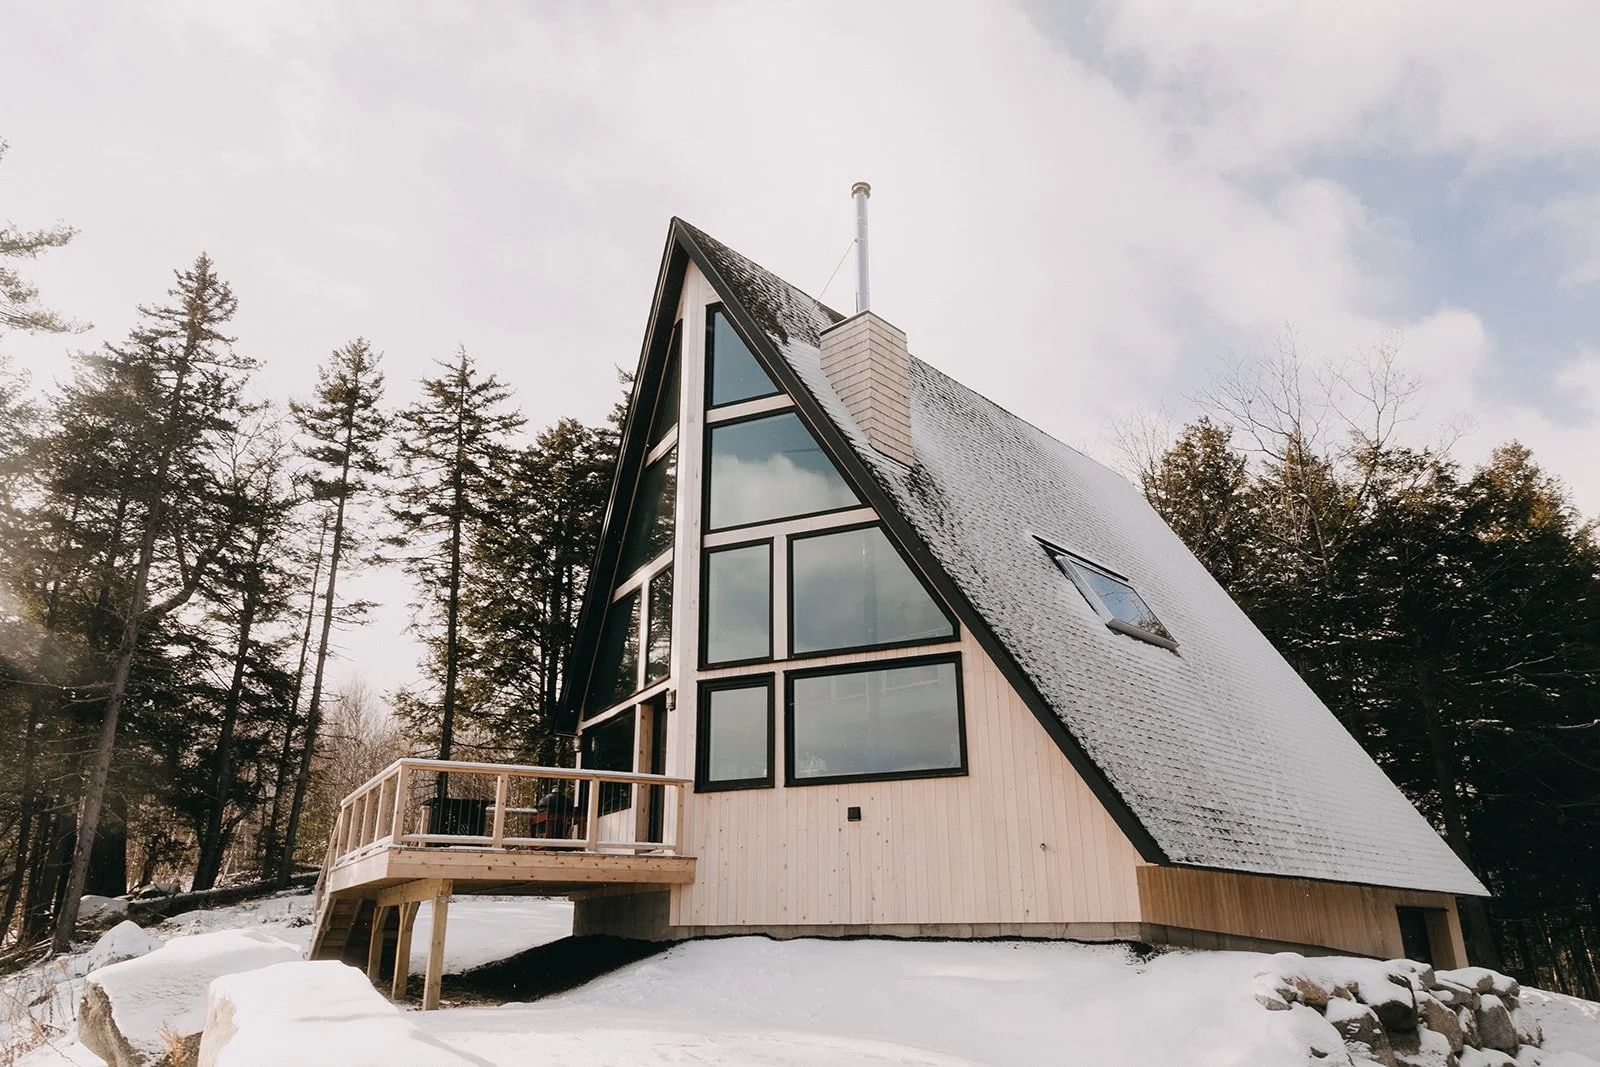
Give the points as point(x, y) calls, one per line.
point(861, 191)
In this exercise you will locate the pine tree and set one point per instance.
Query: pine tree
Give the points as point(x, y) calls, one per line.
point(190, 377)
point(254, 588)
point(343, 429)
point(450, 444)
point(19, 301)
point(529, 569)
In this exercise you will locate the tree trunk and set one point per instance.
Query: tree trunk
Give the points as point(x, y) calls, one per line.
point(105, 748)
point(286, 755)
point(212, 837)
point(314, 707)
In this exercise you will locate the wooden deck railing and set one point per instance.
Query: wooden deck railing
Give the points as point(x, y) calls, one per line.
point(399, 807)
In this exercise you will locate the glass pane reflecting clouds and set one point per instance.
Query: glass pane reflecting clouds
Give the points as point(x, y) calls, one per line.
point(738, 605)
point(893, 720)
point(736, 745)
point(852, 589)
point(735, 373)
point(771, 468)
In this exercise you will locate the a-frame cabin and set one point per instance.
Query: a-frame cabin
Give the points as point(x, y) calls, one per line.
point(934, 673)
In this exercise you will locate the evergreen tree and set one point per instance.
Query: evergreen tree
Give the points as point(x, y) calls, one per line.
point(451, 445)
point(190, 379)
point(19, 301)
point(529, 569)
point(343, 429)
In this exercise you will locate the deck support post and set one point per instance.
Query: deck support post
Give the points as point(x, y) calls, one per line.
point(380, 915)
point(441, 917)
point(402, 950)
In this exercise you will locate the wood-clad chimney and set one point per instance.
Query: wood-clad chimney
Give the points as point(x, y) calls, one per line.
point(869, 366)
point(867, 361)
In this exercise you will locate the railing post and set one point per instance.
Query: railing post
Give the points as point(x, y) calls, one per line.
point(677, 828)
point(592, 816)
point(502, 793)
point(401, 795)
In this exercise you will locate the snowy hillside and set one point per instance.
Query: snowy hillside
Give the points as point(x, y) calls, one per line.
point(809, 1002)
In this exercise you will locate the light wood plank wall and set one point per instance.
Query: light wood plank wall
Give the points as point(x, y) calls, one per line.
point(1351, 918)
point(1019, 839)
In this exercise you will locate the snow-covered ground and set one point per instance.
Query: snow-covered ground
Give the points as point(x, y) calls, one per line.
point(810, 1002)
point(39, 1006)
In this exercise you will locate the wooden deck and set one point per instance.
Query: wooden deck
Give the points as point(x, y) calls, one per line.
point(394, 846)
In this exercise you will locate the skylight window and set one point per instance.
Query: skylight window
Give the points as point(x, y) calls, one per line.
point(1113, 599)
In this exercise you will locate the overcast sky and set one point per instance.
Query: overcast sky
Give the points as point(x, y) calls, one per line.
point(1078, 208)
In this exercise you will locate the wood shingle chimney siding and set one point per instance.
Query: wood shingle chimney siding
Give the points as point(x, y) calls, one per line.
point(869, 366)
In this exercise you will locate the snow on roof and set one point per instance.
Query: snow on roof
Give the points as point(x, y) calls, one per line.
point(1220, 750)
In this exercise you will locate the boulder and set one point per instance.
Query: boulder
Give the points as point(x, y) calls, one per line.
point(1394, 1002)
point(1422, 1048)
point(1469, 1026)
point(150, 1010)
point(1495, 1029)
point(1421, 975)
point(107, 910)
point(313, 1014)
point(124, 941)
point(1441, 1019)
point(1485, 1057)
point(1483, 980)
point(1361, 1030)
point(1455, 994)
point(1527, 1027)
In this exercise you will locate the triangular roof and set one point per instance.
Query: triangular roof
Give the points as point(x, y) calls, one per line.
point(1217, 756)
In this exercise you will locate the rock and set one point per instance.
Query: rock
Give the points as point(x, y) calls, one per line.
point(1494, 1024)
point(1314, 993)
point(1469, 1026)
point(1529, 1032)
point(1394, 1002)
point(124, 941)
point(1422, 1048)
point(1422, 976)
point(1361, 1030)
point(1455, 994)
point(1442, 1020)
point(1483, 980)
point(313, 1014)
point(1273, 994)
point(107, 910)
point(150, 1010)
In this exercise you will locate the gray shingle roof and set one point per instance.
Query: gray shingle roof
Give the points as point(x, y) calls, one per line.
point(1220, 751)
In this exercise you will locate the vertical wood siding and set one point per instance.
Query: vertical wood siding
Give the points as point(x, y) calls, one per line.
point(1020, 839)
point(1350, 918)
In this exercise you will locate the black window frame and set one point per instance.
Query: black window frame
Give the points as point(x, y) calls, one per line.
point(705, 606)
point(916, 572)
point(1068, 562)
point(647, 622)
point(610, 792)
point(789, 677)
point(706, 474)
point(718, 308)
point(638, 634)
point(673, 369)
point(702, 733)
point(670, 452)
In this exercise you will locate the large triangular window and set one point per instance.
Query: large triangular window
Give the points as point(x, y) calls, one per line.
point(733, 373)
